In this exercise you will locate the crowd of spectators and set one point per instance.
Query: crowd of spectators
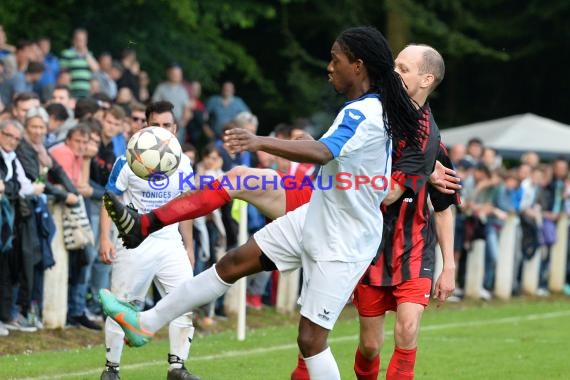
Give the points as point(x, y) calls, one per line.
point(538, 193)
point(64, 119)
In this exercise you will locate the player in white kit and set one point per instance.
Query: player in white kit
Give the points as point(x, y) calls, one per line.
point(162, 257)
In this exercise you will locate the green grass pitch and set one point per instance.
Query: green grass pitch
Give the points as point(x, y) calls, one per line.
point(517, 340)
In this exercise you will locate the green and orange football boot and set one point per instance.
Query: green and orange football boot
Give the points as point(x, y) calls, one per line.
point(127, 316)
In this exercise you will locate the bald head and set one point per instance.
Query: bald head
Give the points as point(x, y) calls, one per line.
point(431, 62)
point(421, 68)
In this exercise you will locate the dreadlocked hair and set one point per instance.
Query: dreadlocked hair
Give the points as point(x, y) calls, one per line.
point(401, 114)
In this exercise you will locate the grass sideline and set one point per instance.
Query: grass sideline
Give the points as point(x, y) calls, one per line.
point(523, 339)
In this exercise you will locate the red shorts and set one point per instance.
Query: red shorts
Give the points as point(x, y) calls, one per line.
point(373, 301)
point(297, 197)
point(296, 194)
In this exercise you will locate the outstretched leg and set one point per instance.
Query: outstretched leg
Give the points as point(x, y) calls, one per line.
point(197, 291)
point(260, 187)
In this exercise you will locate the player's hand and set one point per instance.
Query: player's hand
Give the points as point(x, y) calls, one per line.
point(208, 132)
point(238, 140)
point(445, 285)
point(71, 199)
point(85, 190)
point(38, 188)
point(107, 251)
point(444, 179)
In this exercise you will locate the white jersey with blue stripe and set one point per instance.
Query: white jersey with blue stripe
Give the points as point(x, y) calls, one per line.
point(146, 195)
point(343, 222)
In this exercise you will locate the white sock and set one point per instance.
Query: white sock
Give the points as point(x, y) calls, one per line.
point(114, 342)
point(322, 366)
point(194, 292)
point(180, 334)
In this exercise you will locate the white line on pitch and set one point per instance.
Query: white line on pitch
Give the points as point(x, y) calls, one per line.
point(233, 354)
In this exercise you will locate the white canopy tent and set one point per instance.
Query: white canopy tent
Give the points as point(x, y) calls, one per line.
point(514, 135)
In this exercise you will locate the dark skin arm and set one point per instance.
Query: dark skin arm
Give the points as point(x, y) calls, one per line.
point(238, 140)
point(305, 149)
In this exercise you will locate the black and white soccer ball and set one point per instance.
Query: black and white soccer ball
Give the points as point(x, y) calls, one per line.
point(153, 150)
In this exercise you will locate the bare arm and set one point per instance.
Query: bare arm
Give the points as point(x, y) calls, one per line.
point(107, 250)
point(92, 62)
point(238, 140)
point(551, 215)
point(185, 228)
point(445, 284)
point(393, 196)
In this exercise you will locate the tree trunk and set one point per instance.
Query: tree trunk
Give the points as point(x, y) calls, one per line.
point(397, 26)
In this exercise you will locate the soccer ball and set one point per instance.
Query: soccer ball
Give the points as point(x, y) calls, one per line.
point(152, 150)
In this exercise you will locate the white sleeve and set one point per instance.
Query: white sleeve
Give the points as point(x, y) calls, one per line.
point(26, 186)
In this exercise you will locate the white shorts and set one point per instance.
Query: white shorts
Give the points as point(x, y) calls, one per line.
point(162, 260)
point(327, 285)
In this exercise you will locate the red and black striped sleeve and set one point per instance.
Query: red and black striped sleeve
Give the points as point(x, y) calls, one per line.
point(413, 167)
point(440, 200)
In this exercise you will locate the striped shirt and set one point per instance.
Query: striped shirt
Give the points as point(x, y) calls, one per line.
point(408, 246)
point(79, 70)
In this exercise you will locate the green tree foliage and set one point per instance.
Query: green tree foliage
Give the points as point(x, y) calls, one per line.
point(188, 32)
point(502, 56)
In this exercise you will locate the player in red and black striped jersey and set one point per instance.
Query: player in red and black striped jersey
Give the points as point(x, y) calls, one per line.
point(409, 231)
point(409, 234)
point(400, 277)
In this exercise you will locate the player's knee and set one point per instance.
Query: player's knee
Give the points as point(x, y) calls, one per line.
point(406, 330)
point(239, 262)
point(307, 345)
point(233, 259)
point(370, 346)
point(225, 267)
point(237, 175)
point(238, 171)
point(311, 342)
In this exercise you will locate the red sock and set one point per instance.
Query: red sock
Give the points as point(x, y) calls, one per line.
point(192, 205)
point(401, 365)
point(364, 368)
point(301, 372)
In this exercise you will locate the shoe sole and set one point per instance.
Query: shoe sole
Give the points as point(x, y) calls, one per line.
point(124, 223)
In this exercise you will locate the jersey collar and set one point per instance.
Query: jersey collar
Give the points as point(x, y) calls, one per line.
point(366, 95)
